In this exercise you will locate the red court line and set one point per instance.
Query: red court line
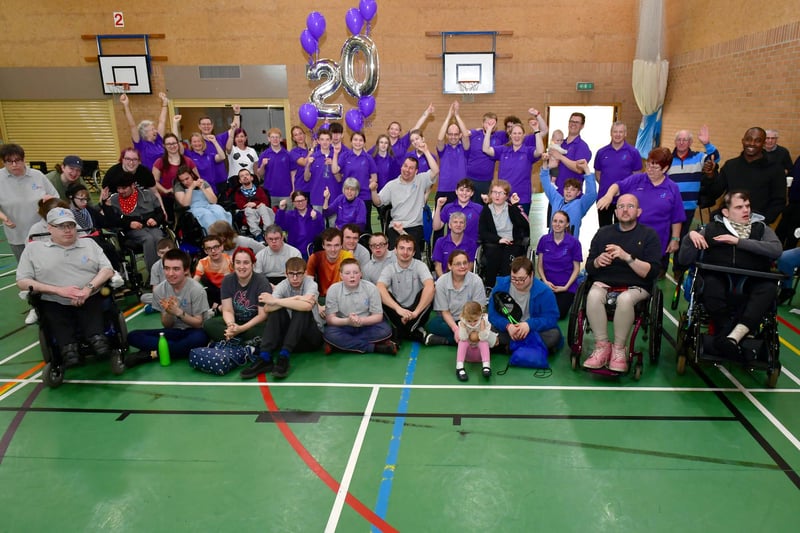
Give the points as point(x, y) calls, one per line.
point(785, 323)
point(313, 464)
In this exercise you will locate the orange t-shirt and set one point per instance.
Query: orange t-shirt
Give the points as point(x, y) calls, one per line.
point(206, 269)
point(325, 272)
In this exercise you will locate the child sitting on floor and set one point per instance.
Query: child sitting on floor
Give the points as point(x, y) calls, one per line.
point(474, 338)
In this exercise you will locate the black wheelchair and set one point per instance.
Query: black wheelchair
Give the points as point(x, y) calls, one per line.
point(649, 314)
point(760, 350)
point(114, 327)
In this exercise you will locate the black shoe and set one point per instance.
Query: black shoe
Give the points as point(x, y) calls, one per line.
point(259, 366)
point(70, 355)
point(387, 347)
point(138, 358)
point(281, 369)
point(419, 335)
point(487, 372)
point(100, 345)
point(461, 374)
point(785, 296)
point(435, 340)
point(727, 347)
point(117, 364)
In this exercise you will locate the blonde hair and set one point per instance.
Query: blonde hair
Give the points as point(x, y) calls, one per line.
point(471, 312)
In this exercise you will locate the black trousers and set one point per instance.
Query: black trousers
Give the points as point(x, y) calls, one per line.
point(67, 322)
point(415, 232)
point(296, 333)
point(498, 260)
point(407, 330)
point(748, 308)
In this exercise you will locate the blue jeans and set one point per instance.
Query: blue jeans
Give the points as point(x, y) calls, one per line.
point(180, 340)
point(787, 262)
point(354, 339)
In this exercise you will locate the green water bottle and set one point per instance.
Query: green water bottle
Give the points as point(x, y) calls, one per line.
point(163, 350)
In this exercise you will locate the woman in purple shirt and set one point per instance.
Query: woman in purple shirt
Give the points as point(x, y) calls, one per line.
point(206, 160)
point(298, 154)
point(516, 161)
point(302, 225)
point(659, 200)
point(401, 143)
point(147, 137)
point(559, 262)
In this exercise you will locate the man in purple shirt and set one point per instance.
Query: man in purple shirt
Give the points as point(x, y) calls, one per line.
point(274, 167)
point(452, 148)
point(480, 167)
point(463, 204)
point(576, 148)
point(206, 126)
point(614, 162)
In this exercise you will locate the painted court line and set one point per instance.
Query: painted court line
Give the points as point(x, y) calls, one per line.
point(758, 405)
point(347, 477)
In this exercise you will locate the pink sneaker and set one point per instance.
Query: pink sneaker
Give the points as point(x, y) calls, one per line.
point(600, 355)
point(619, 359)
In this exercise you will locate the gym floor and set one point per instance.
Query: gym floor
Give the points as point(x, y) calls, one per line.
point(350, 442)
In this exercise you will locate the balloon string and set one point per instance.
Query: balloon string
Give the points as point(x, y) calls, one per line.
point(369, 28)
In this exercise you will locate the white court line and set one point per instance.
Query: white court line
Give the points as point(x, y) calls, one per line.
point(8, 286)
point(4, 274)
point(16, 354)
point(758, 405)
point(347, 477)
point(790, 375)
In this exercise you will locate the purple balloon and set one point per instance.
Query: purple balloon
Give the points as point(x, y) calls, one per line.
point(316, 24)
point(308, 42)
point(354, 119)
point(368, 8)
point(354, 21)
point(308, 115)
point(366, 104)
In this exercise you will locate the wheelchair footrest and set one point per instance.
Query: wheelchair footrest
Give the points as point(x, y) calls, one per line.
point(754, 353)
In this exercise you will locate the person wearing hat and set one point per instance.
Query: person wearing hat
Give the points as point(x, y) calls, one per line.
point(138, 213)
point(68, 272)
point(66, 174)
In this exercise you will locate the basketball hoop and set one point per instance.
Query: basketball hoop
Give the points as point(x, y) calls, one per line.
point(117, 87)
point(468, 88)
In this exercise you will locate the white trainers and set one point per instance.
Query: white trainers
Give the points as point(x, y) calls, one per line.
point(32, 318)
point(117, 281)
point(619, 359)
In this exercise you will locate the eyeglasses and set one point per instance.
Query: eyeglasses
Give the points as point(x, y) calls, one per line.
point(515, 279)
point(65, 226)
point(170, 144)
point(295, 274)
point(130, 159)
point(503, 193)
point(460, 264)
point(81, 198)
point(625, 206)
point(377, 244)
point(654, 166)
point(212, 248)
point(14, 161)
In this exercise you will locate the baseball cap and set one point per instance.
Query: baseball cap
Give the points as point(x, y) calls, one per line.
point(73, 161)
point(59, 215)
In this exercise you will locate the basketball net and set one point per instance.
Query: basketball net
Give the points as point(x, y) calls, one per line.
point(118, 88)
point(468, 88)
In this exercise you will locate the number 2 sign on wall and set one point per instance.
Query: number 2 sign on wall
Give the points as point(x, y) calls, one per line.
point(119, 19)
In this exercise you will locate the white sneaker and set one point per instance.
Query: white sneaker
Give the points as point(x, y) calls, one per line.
point(117, 281)
point(32, 317)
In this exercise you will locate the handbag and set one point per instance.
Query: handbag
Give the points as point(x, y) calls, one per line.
point(220, 357)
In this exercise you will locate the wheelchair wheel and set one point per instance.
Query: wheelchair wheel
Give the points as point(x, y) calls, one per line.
point(574, 359)
point(772, 376)
point(637, 372)
point(117, 362)
point(656, 325)
point(52, 375)
point(575, 324)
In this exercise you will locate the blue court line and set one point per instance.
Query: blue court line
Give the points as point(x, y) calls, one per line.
point(382, 505)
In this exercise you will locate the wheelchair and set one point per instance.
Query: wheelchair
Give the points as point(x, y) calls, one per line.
point(696, 329)
point(426, 251)
point(128, 252)
point(479, 266)
point(649, 314)
point(115, 329)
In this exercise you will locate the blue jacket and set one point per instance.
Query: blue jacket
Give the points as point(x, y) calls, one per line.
point(577, 208)
point(542, 306)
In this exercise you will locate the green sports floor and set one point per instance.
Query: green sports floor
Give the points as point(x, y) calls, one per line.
point(353, 443)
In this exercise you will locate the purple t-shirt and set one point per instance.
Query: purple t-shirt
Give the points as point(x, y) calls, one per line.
point(445, 246)
point(452, 166)
point(423, 161)
point(473, 213)
point(661, 206)
point(480, 167)
point(346, 212)
point(577, 149)
point(515, 168)
point(219, 166)
point(278, 172)
point(149, 151)
point(322, 176)
point(205, 165)
point(387, 169)
point(361, 167)
point(295, 154)
point(300, 230)
point(557, 259)
point(400, 147)
point(616, 165)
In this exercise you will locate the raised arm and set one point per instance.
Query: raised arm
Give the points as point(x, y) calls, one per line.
point(432, 163)
point(161, 128)
point(424, 117)
point(126, 107)
point(465, 133)
point(443, 130)
point(487, 138)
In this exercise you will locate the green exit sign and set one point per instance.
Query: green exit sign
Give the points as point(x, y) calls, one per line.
point(585, 86)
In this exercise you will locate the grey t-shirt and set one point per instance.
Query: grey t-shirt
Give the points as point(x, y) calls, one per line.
point(192, 299)
point(371, 270)
point(285, 290)
point(448, 298)
point(76, 265)
point(405, 283)
point(18, 198)
point(273, 264)
point(523, 300)
point(407, 199)
point(364, 300)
